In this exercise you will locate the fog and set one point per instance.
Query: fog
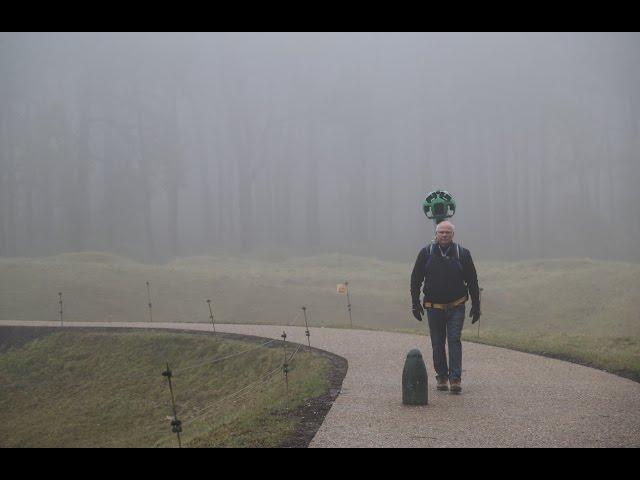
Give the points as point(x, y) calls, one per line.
point(158, 145)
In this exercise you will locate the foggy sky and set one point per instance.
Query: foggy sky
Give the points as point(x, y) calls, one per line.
point(155, 145)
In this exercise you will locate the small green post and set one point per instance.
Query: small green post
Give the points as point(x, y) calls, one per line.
point(414, 380)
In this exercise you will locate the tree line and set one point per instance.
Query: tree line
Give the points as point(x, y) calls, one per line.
point(156, 146)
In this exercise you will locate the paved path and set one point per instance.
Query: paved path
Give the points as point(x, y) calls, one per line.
point(510, 399)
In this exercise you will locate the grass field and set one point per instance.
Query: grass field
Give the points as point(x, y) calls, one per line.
point(579, 308)
point(106, 389)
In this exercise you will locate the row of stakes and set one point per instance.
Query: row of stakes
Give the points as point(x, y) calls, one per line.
point(213, 323)
point(176, 424)
point(211, 310)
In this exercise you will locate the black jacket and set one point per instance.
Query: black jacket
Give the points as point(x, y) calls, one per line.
point(446, 279)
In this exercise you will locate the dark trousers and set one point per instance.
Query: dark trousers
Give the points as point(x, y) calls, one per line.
point(446, 327)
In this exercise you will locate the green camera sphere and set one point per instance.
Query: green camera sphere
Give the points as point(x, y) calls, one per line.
point(439, 205)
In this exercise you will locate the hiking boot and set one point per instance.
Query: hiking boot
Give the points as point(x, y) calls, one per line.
point(442, 384)
point(455, 386)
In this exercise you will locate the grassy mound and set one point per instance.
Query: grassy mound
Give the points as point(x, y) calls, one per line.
point(560, 303)
point(92, 257)
point(106, 389)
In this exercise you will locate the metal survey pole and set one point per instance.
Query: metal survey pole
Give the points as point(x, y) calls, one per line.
point(349, 305)
point(304, 309)
point(176, 425)
point(211, 316)
point(61, 309)
point(285, 365)
point(149, 297)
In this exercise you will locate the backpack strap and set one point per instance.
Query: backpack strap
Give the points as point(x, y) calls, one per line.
point(429, 249)
point(459, 251)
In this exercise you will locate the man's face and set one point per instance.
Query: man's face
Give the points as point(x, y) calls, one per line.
point(444, 234)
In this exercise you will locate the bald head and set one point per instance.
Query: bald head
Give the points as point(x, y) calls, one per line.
point(444, 232)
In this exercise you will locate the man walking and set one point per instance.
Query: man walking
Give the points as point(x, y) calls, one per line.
point(449, 277)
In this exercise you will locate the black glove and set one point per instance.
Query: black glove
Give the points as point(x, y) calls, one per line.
point(417, 311)
point(475, 314)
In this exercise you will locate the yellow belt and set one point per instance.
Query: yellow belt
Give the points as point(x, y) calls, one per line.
point(445, 306)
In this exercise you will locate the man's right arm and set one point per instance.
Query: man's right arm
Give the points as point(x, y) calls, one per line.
point(417, 276)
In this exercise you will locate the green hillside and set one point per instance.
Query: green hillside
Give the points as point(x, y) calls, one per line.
point(106, 389)
point(582, 306)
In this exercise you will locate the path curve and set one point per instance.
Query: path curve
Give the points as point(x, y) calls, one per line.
point(510, 399)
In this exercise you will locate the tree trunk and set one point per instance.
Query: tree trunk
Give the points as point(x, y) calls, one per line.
point(311, 193)
point(244, 184)
point(172, 220)
point(81, 216)
point(150, 253)
point(3, 188)
point(9, 200)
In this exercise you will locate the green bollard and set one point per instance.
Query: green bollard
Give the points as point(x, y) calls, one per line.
point(414, 380)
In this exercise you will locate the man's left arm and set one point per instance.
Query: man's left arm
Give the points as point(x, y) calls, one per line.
point(471, 279)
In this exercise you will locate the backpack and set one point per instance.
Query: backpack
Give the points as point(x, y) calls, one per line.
point(430, 248)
